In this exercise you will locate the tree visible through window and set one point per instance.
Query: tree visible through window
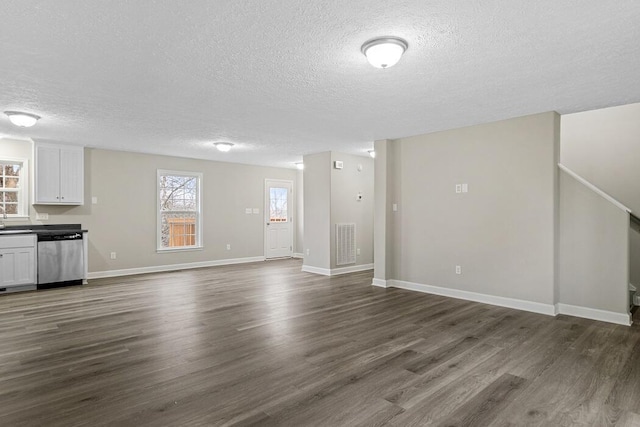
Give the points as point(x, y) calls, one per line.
point(179, 209)
point(278, 204)
point(11, 188)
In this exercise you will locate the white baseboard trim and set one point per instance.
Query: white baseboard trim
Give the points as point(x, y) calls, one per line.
point(316, 270)
point(336, 271)
point(594, 314)
point(534, 307)
point(351, 269)
point(298, 255)
point(381, 283)
point(171, 267)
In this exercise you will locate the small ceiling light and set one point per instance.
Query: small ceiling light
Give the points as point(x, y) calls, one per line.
point(223, 146)
point(372, 153)
point(24, 120)
point(300, 166)
point(384, 52)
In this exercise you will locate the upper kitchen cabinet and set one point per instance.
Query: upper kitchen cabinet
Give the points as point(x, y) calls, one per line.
point(59, 174)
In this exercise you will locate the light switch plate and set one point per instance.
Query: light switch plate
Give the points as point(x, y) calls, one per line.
point(465, 188)
point(247, 210)
point(42, 216)
point(94, 200)
point(256, 211)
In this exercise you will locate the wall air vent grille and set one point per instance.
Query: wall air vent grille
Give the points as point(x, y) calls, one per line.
point(345, 244)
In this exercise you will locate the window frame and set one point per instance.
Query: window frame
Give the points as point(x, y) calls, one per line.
point(198, 212)
point(23, 191)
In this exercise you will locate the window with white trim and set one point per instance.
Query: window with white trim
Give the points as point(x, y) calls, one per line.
point(179, 211)
point(13, 188)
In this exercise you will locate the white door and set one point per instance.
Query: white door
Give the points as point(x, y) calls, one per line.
point(278, 219)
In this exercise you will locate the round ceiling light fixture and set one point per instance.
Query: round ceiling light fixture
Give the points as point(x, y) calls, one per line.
point(21, 119)
point(223, 146)
point(299, 166)
point(372, 153)
point(384, 52)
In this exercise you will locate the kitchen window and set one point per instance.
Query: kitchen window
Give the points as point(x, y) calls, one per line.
point(13, 188)
point(179, 210)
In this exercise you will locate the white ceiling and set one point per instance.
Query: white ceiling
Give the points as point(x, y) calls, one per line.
point(284, 78)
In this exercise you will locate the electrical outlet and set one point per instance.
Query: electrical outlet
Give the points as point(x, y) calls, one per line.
point(256, 211)
point(358, 251)
point(308, 250)
point(395, 207)
point(458, 188)
point(247, 210)
point(228, 246)
point(42, 216)
point(113, 255)
point(458, 269)
point(94, 200)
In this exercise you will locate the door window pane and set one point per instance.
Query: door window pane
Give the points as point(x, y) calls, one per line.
point(278, 204)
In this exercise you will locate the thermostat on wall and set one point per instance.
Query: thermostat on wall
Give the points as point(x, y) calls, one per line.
point(338, 164)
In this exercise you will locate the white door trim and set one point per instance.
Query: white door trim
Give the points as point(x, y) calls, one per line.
point(265, 208)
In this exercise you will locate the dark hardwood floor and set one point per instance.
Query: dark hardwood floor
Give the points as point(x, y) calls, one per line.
point(266, 344)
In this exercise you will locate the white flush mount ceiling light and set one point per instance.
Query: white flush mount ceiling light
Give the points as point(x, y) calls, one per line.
point(299, 166)
point(384, 52)
point(223, 146)
point(24, 120)
point(372, 153)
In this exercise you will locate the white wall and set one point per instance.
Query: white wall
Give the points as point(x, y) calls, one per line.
point(593, 255)
point(634, 254)
point(124, 220)
point(346, 183)
point(603, 147)
point(299, 195)
point(330, 198)
point(502, 232)
point(317, 210)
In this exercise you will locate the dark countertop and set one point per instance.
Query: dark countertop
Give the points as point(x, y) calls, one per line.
point(41, 229)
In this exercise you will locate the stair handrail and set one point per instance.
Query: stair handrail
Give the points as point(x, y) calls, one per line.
point(593, 188)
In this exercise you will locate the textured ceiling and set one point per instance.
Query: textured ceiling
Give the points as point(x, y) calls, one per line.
point(284, 78)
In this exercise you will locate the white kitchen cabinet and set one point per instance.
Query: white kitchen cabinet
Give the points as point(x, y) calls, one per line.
point(17, 260)
point(59, 175)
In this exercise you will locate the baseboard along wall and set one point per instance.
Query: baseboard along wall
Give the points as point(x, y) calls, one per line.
point(171, 267)
point(336, 271)
point(535, 307)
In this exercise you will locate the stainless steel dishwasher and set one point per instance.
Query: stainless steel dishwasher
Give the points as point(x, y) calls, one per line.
point(60, 259)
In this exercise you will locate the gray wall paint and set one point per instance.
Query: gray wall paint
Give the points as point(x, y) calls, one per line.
point(382, 204)
point(299, 194)
point(346, 183)
point(502, 232)
point(317, 210)
point(124, 220)
point(330, 198)
point(603, 147)
point(634, 255)
point(593, 255)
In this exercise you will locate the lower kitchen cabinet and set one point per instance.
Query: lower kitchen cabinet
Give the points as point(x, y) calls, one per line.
point(17, 260)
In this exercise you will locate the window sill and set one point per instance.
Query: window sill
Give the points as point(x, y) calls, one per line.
point(182, 249)
point(14, 218)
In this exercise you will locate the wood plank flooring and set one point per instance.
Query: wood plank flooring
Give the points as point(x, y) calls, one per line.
point(266, 344)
